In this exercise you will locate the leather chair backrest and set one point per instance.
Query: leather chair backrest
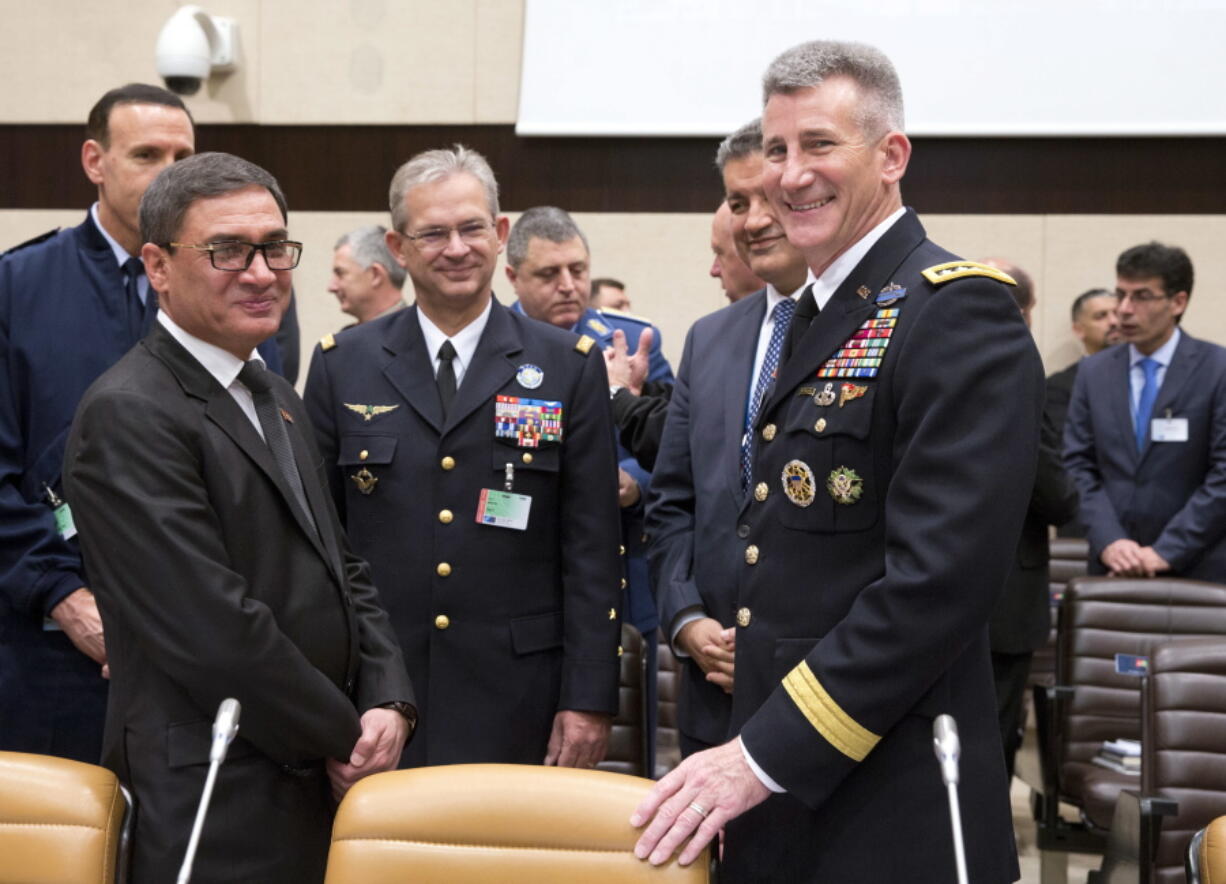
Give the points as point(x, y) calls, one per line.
point(627, 752)
point(60, 821)
point(494, 822)
point(1068, 560)
point(1105, 616)
point(668, 741)
point(1183, 744)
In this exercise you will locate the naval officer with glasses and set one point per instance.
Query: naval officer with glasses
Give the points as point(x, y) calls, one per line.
point(217, 559)
point(471, 455)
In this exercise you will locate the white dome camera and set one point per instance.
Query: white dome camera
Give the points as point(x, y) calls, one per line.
point(192, 45)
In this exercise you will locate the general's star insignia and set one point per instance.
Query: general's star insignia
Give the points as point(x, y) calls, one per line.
point(369, 411)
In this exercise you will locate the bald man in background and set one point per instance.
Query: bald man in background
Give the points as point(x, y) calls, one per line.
point(733, 274)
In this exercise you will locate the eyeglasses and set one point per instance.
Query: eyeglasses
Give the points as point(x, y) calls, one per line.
point(237, 256)
point(435, 239)
point(1141, 296)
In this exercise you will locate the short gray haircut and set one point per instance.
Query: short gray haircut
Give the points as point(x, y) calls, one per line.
point(435, 165)
point(541, 222)
point(368, 245)
point(198, 177)
point(810, 64)
point(744, 142)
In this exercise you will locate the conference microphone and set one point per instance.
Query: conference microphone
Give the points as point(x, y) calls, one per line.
point(948, 749)
point(225, 728)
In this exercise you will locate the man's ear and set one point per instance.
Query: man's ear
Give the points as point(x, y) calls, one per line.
point(897, 149)
point(91, 160)
point(157, 266)
point(395, 243)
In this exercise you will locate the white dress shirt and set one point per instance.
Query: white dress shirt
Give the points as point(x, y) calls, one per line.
point(121, 254)
point(465, 341)
point(223, 366)
point(1136, 374)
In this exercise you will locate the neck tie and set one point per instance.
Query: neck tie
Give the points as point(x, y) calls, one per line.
point(446, 375)
point(1149, 394)
point(806, 311)
point(783, 317)
point(133, 270)
point(256, 379)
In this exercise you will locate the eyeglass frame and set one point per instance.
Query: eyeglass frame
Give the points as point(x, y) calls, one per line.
point(486, 226)
point(261, 247)
point(1136, 297)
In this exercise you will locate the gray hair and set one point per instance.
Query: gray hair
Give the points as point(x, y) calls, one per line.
point(368, 245)
point(542, 222)
point(435, 165)
point(811, 64)
point(198, 177)
point(744, 142)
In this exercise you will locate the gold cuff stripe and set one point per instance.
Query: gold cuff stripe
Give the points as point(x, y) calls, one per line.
point(958, 269)
point(826, 716)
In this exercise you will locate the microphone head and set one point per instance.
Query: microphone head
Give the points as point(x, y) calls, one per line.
point(225, 728)
point(947, 747)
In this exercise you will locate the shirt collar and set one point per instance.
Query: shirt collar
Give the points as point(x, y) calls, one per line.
point(121, 254)
point(836, 274)
point(774, 296)
point(223, 366)
point(1163, 355)
point(465, 340)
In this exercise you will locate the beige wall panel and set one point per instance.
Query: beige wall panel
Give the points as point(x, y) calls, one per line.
point(369, 61)
point(69, 53)
point(500, 45)
point(19, 225)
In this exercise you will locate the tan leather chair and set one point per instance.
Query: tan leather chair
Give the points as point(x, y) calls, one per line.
point(668, 738)
point(1207, 854)
point(627, 752)
point(494, 822)
point(60, 821)
point(1089, 703)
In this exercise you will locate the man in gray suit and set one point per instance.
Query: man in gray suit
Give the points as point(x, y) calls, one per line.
point(698, 483)
point(1145, 440)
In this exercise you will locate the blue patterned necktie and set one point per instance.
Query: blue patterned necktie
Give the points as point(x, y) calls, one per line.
point(782, 317)
point(1149, 395)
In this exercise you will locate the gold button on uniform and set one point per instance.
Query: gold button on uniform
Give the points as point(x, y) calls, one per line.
point(445, 516)
point(363, 454)
point(442, 621)
point(820, 426)
point(743, 616)
point(623, 583)
point(768, 432)
point(443, 569)
point(760, 491)
point(751, 555)
point(447, 463)
point(621, 550)
point(612, 613)
point(527, 457)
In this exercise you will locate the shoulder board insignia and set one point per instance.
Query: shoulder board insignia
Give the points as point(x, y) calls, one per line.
point(42, 237)
point(597, 326)
point(327, 342)
point(959, 269)
point(584, 344)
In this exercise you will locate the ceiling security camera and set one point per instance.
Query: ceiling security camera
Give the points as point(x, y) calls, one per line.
point(193, 44)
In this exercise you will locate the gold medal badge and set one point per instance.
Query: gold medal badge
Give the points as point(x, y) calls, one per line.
point(848, 392)
point(826, 397)
point(845, 485)
point(365, 480)
point(798, 482)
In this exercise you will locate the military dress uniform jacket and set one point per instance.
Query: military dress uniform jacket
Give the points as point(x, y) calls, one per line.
point(501, 627)
point(213, 584)
point(884, 516)
point(1171, 495)
point(64, 320)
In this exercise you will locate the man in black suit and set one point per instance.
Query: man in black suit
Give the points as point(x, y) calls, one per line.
point(892, 461)
point(699, 484)
point(1145, 441)
point(1097, 327)
point(218, 562)
point(1021, 620)
point(471, 452)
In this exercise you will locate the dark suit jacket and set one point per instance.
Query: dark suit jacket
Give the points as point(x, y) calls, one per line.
point(696, 493)
point(530, 618)
point(211, 584)
point(64, 320)
point(1172, 495)
point(1059, 393)
point(863, 620)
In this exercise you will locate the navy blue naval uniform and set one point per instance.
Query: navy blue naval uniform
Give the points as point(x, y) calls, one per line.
point(65, 318)
point(881, 525)
point(501, 628)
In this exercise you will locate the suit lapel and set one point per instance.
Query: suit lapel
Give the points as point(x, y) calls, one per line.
point(492, 366)
point(1118, 401)
point(742, 349)
point(410, 369)
point(328, 544)
point(846, 310)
